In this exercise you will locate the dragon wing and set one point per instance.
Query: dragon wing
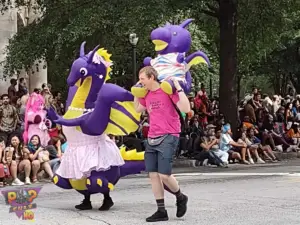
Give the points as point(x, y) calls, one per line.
point(123, 119)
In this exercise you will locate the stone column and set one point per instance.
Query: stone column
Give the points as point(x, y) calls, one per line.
point(39, 74)
point(8, 27)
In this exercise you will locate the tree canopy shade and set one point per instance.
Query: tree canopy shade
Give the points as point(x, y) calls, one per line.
point(238, 35)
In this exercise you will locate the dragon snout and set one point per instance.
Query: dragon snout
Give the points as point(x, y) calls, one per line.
point(71, 81)
point(161, 38)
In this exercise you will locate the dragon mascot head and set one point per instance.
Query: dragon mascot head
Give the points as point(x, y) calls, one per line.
point(172, 42)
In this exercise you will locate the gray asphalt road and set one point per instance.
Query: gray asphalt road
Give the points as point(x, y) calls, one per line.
point(258, 195)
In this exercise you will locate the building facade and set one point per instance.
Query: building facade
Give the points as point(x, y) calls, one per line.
point(10, 22)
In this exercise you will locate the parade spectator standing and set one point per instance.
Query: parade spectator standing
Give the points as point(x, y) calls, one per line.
point(8, 118)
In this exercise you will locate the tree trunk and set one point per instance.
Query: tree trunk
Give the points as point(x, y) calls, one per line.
point(295, 80)
point(228, 61)
point(276, 83)
point(238, 92)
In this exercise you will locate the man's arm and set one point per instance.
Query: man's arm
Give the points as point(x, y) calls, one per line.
point(183, 104)
point(138, 106)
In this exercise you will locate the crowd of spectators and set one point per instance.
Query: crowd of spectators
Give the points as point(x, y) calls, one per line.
point(25, 163)
point(267, 124)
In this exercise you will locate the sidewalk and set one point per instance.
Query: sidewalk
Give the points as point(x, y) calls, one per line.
point(186, 163)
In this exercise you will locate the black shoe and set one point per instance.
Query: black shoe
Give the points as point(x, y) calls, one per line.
point(158, 216)
point(107, 204)
point(181, 205)
point(85, 205)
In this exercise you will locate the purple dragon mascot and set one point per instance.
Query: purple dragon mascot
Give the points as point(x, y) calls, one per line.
point(172, 42)
point(92, 163)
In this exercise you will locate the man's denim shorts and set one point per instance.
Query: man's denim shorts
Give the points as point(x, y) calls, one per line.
point(159, 158)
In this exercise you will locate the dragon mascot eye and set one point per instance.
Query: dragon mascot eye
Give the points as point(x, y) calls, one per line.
point(83, 71)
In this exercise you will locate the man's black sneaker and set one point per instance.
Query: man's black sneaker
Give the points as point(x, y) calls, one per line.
point(158, 216)
point(181, 205)
point(107, 204)
point(85, 205)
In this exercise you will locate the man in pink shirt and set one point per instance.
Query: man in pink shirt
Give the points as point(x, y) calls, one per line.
point(163, 138)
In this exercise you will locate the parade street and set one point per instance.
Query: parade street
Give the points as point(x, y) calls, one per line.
point(258, 195)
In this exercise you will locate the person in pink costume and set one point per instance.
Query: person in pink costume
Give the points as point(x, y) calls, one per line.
point(35, 119)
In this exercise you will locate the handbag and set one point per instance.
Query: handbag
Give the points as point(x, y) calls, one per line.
point(156, 141)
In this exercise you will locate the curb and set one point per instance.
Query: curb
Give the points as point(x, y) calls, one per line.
point(180, 163)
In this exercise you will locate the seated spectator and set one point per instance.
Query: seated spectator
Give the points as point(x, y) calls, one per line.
point(253, 144)
point(39, 158)
point(203, 156)
point(274, 138)
point(209, 142)
point(55, 153)
point(251, 149)
point(293, 134)
point(19, 160)
point(4, 170)
point(266, 149)
point(234, 149)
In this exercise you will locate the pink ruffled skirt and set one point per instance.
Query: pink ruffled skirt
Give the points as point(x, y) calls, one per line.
point(86, 153)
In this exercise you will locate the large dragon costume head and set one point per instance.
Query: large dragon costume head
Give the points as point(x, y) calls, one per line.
point(172, 38)
point(87, 75)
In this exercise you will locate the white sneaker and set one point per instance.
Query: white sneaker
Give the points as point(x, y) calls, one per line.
point(17, 182)
point(27, 180)
point(279, 148)
point(251, 161)
point(205, 162)
point(260, 161)
point(289, 149)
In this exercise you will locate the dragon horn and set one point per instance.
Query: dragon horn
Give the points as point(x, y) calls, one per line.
point(82, 49)
point(90, 59)
point(186, 22)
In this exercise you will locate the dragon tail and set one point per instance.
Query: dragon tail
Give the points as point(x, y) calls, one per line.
point(134, 162)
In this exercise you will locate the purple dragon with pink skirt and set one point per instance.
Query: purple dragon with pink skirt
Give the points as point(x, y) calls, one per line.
point(92, 162)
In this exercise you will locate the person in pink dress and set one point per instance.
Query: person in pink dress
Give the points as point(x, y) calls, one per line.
point(35, 119)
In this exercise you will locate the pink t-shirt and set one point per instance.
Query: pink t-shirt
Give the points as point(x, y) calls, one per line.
point(163, 116)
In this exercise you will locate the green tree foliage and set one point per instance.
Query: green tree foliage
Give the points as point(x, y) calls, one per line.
point(57, 35)
point(237, 35)
point(282, 65)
